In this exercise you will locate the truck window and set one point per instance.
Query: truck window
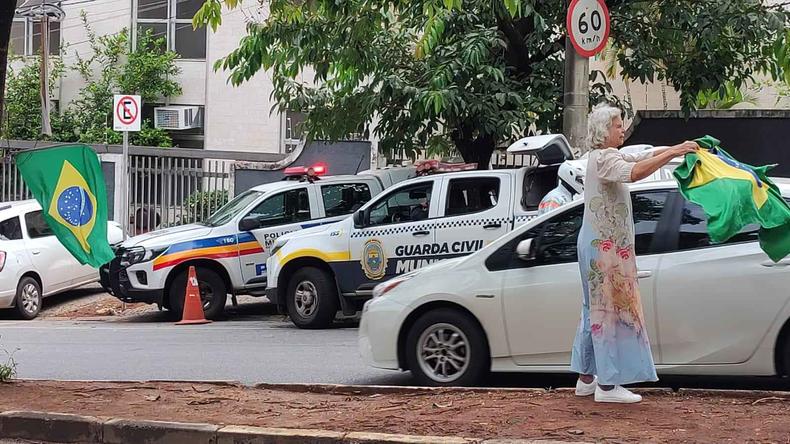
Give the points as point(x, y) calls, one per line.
point(230, 209)
point(11, 229)
point(538, 181)
point(344, 198)
point(465, 196)
point(283, 208)
point(404, 205)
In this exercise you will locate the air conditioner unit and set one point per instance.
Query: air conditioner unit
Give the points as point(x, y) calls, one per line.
point(177, 117)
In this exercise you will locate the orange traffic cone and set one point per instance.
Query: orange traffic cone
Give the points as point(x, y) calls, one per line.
point(193, 306)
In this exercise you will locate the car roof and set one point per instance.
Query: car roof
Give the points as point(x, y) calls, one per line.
point(17, 207)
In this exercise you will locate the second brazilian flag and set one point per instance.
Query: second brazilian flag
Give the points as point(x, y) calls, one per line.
point(734, 195)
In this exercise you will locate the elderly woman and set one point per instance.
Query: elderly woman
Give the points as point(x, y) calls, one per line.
point(611, 346)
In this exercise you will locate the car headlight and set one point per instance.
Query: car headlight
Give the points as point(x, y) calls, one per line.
point(385, 287)
point(279, 243)
point(138, 255)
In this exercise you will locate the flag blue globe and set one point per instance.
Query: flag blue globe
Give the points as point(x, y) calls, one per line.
point(74, 206)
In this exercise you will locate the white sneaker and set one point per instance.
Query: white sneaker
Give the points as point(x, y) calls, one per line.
point(617, 394)
point(583, 389)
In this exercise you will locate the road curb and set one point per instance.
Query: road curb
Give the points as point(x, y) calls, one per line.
point(67, 428)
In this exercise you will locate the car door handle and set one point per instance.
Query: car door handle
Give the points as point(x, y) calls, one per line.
point(421, 233)
point(490, 226)
point(641, 274)
point(36, 252)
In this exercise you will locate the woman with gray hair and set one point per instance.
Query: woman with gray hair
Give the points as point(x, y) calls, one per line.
point(612, 348)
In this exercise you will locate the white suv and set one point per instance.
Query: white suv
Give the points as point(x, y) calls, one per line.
point(33, 263)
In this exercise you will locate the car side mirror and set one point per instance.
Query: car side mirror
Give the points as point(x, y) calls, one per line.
point(359, 219)
point(249, 224)
point(525, 251)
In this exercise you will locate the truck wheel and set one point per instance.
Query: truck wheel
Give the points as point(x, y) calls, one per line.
point(445, 347)
point(212, 292)
point(312, 298)
point(28, 298)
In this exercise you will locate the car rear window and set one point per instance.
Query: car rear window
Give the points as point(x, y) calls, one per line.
point(11, 229)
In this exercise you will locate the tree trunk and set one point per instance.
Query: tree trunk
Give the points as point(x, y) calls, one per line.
point(478, 150)
point(7, 9)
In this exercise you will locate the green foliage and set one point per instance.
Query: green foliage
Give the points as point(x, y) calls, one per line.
point(202, 204)
point(148, 71)
point(714, 99)
point(23, 100)
point(7, 369)
point(475, 74)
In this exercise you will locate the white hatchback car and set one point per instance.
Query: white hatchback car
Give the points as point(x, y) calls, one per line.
point(33, 263)
point(711, 309)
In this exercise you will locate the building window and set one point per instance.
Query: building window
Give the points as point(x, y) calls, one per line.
point(172, 20)
point(294, 130)
point(26, 37)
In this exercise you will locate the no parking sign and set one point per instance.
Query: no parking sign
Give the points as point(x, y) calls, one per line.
point(126, 113)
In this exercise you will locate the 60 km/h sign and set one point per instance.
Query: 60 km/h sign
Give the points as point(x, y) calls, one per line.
point(588, 26)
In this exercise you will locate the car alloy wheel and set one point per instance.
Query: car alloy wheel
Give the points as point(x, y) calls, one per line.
point(30, 298)
point(443, 352)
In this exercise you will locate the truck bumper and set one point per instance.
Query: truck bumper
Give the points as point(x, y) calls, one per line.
point(114, 279)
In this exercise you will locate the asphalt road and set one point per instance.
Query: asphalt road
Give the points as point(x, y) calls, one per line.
point(254, 345)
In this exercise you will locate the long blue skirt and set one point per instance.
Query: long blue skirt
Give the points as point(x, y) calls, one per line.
point(611, 341)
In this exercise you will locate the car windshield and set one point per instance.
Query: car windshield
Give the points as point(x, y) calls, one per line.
point(230, 209)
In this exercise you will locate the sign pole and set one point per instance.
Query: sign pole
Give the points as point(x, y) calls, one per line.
point(588, 26)
point(576, 98)
point(126, 117)
point(125, 185)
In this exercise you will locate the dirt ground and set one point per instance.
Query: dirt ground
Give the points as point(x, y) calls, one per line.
point(88, 302)
point(662, 417)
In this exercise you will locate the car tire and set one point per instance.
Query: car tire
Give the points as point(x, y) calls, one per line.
point(28, 298)
point(211, 285)
point(460, 357)
point(312, 298)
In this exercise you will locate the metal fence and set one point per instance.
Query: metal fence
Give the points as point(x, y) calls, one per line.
point(167, 191)
point(167, 186)
point(173, 186)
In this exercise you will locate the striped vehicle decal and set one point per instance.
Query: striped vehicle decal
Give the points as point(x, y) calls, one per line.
point(212, 248)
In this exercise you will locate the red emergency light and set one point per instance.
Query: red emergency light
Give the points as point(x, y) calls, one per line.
point(301, 173)
point(318, 169)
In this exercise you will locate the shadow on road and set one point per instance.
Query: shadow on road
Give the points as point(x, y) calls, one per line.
point(57, 300)
point(552, 380)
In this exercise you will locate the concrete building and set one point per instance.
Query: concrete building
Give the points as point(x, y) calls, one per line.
point(239, 118)
point(233, 118)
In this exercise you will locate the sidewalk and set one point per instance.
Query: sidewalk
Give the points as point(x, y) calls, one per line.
point(476, 414)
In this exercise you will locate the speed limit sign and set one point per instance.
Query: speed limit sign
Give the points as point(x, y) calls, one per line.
point(588, 26)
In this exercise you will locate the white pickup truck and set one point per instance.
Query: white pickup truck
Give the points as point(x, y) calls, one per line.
point(334, 267)
point(230, 248)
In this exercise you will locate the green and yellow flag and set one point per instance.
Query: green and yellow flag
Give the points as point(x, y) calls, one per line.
point(68, 183)
point(733, 195)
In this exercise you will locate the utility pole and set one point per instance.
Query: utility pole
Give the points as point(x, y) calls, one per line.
point(43, 11)
point(46, 126)
point(576, 98)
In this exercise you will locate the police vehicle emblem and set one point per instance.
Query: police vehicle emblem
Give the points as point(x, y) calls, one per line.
point(374, 262)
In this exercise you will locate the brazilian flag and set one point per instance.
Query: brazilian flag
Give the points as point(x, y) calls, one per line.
point(68, 183)
point(733, 195)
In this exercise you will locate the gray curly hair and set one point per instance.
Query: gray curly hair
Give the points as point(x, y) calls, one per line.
point(598, 124)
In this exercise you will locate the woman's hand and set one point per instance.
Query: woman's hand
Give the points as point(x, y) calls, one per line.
point(684, 148)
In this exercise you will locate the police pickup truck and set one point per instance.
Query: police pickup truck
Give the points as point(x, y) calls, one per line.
point(335, 267)
point(230, 248)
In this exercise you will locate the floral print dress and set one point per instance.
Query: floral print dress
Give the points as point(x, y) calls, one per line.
point(611, 341)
